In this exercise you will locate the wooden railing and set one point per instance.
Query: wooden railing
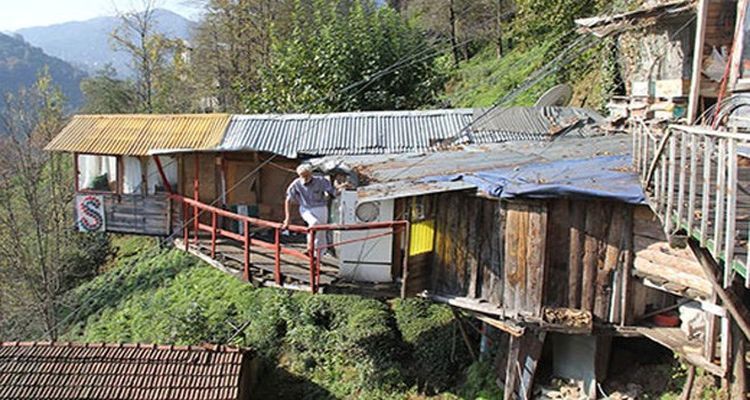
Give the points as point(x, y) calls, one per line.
point(690, 175)
point(192, 210)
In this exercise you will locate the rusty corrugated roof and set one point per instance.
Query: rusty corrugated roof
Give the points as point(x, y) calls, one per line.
point(135, 135)
point(43, 370)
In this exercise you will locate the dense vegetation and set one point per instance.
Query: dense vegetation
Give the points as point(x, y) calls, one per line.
point(313, 346)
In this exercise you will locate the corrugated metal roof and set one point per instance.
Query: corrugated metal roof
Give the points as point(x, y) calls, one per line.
point(497, 125)
point(135, 135)
point(377, 132)
point(118, 371)
point(402, 175)
point(295, 135)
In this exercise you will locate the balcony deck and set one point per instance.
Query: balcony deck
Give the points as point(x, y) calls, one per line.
point(698, 183)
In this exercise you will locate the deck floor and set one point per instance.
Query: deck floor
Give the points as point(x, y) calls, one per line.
point(295, 272)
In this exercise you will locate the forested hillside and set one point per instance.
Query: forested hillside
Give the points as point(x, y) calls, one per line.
point(87, 44)
point(21, 63)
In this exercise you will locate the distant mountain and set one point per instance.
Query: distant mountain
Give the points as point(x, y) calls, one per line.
point(87, 45)
point(20, 64)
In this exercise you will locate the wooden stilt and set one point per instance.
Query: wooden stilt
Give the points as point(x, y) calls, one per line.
point(523, 357)
point(464, 335)
point(688, 388)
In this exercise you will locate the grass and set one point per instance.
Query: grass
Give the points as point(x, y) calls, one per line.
point(313, 346)
point(485, 79)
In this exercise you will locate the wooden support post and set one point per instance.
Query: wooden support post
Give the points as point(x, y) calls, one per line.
point(688, 387)
point(731, 302)
point(738, 385)
point(246, 250)
point(695, 81)
point(523, 357)
point(277, 256)
point(405, 261)
point(464, 335)
point(186, 225)
point(627, 267)
point(313, 256)
point(213, 235)
point(575, 262)
point(77, 170)
point(163, 175)
point(196, 195)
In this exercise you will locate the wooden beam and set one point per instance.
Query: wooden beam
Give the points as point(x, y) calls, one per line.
point(505, 326)
point(523, 358)
point(731, 301)
point(695, 81)
point(464, 335)
point(163, 175)
point(77, 170)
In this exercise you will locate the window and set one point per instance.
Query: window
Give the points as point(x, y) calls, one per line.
point(97, 173)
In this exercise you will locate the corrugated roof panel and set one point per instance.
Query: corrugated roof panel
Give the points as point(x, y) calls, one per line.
point(136, 135)
point(374, 132)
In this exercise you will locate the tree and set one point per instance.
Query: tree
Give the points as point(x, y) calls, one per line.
point(40, 252)
point(160, 83)
point(105, 94)
point(344, 56)
point(232, 46)
point(467, 25)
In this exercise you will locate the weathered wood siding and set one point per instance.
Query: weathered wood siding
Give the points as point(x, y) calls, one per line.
point(468, 247)
point(138, 214)
point(525, 258)
point(589, 248)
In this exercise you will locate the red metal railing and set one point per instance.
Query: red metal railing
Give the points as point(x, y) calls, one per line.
point(192, 209)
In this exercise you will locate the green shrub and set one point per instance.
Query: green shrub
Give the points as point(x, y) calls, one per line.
point(438, 353)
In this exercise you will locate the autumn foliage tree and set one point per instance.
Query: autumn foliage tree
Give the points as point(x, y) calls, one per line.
point(41, 254)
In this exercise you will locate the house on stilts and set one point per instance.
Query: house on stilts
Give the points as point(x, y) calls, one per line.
point(532, 220)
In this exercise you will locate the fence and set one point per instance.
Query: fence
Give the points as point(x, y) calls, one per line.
point(690, 175)
point(193, 209)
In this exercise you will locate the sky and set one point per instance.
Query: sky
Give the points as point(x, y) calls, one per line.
point(18, 14)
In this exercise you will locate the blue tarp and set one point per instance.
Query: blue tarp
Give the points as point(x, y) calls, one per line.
point(608, 177)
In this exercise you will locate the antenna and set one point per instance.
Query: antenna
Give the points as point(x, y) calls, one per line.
point(558, 96)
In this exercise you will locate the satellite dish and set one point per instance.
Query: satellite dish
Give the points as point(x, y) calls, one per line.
point(558, 96)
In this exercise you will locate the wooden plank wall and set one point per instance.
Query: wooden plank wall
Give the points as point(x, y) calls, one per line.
point(137, 214)
point(468, 247)
point(589, 244)
point(525, 258)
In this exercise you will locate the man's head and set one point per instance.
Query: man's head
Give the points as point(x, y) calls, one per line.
point(305, 172)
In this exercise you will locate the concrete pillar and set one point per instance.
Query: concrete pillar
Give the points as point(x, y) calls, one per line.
point(581, 358)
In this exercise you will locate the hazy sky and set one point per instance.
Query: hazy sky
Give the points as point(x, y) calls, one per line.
point(16, 14)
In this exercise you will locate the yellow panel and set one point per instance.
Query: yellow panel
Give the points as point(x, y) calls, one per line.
point(422, 237)
point(136, 135)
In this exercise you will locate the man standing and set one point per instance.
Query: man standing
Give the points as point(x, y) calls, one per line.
point(311, 193)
